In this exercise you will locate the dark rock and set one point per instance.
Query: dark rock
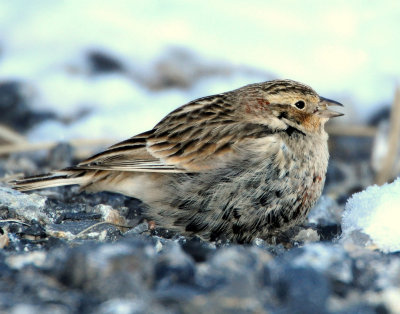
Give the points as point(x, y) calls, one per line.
point(382, 114)
point(197, 249)
point(120, 270)
point(135, 207)
point(55, 243)
point(162, 232)
point(102, 63)
point(15, 110)
point(35, 229)
point(329, 232)
point(301, 290)
point(179, 67)
point(78, 216)
point(365, 274)
point(173, 267)
point(361, 309)
point(139, 229)
point(15, 227)
point(381, 309)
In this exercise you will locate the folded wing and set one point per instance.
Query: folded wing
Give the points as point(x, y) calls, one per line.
point(201, 135)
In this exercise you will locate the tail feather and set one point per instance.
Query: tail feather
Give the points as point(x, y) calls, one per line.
point(58, 178)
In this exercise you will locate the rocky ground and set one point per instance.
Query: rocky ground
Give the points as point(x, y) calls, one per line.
point(67, 252)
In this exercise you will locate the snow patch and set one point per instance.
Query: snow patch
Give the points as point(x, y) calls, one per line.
point(374, 212)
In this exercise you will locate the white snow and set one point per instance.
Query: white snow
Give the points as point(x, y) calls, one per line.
point(375, 212)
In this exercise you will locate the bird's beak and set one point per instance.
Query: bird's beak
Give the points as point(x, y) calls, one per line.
point(323, 110)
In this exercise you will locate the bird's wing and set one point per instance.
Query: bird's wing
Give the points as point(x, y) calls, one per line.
point(195, 137)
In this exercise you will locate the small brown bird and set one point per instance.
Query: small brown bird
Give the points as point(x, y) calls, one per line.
point(239, 165)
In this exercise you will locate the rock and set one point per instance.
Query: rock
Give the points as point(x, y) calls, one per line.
point(173, 267)
point(198, 249)
point(103, 63)
point(178, 67)
point(26, 206)
point(14, 107)
point(382, 114)
point(301, 290)
point(307, 236)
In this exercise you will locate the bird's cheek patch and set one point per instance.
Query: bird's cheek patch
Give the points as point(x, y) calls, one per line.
point(257, 105)
point(311, 123)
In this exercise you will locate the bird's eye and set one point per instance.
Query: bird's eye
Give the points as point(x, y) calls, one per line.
point(300, 104)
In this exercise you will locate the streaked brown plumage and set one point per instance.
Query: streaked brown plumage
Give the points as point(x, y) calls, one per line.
point(243, 164)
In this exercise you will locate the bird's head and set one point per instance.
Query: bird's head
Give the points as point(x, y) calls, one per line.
point(286, 102)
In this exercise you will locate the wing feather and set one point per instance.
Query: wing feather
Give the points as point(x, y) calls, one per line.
point(195, 137)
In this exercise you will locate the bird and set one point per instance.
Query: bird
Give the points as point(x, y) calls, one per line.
point(244, 164)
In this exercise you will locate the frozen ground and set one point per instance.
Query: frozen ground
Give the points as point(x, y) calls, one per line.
point(345, 50)
point(64, 252)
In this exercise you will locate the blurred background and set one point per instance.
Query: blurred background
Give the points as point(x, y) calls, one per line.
point(93, 72)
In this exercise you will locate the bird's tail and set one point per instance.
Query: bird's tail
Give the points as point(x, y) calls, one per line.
point(67, 176)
